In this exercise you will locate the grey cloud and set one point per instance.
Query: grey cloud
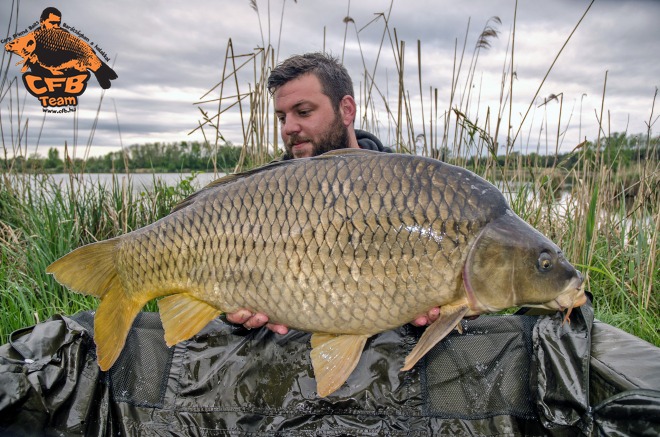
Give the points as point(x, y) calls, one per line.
point(168, 55)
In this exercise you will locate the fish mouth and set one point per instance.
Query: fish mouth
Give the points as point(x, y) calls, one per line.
point(572, 297)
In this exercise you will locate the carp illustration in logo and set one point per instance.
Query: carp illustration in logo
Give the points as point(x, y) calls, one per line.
point(59, 62)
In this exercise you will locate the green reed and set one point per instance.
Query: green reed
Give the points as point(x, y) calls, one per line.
point(41, 221)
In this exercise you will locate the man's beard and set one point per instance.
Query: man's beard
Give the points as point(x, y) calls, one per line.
point(335, 138)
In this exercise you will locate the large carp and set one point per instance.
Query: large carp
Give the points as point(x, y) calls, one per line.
point(344, 245)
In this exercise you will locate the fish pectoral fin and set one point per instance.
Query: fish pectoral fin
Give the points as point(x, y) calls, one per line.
point(449, 317)
point(183, 316)
point(334, 357)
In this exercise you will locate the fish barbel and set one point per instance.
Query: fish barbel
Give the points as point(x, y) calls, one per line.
point(344, 245)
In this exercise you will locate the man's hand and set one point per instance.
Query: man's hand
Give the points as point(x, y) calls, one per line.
point(432, 316)
point(247, 319)
point(257, 320)
point(427, 318)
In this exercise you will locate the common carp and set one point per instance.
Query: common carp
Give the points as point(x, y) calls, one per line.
point(344, 245)
point(56, 51)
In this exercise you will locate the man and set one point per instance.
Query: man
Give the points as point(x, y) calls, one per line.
point(510, 375)
point(315, 105)
point(50, 18)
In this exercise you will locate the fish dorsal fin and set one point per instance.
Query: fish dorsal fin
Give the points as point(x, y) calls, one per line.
point(184, 316)
point(226, 180)
point(334, 357)
point(236, 176)
point(346, 151)
point(450, 316)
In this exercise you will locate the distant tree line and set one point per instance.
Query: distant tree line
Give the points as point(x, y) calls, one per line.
point(184, 156)
point(618, 150)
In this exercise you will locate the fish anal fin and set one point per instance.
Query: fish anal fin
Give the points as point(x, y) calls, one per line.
point(334, 358)
point(183, 316)
point(450, 316)
point(112, 322)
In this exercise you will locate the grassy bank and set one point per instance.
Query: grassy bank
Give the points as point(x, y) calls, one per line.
point(40, 221)
point(613, 242)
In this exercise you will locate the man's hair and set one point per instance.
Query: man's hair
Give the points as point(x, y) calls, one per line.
point(50, 10)
point(335, 80)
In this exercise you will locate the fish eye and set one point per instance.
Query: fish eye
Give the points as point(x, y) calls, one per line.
point(544, 263)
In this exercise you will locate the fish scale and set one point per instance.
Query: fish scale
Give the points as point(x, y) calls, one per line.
point(61, 41)
point(350, 243)
point(345, 263)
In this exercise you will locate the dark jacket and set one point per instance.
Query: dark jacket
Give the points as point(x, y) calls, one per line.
point(370, 142)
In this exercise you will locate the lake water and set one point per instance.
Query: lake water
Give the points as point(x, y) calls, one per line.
point(145, 182)
point(140, 181)
point(563, 203)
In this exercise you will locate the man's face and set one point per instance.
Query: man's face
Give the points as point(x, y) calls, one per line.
point(309, 124)
point(52, 22)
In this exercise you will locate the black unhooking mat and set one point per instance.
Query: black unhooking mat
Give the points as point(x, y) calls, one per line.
point(505, 375)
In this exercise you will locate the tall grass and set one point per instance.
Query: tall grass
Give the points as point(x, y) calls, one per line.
point(41, 220)
point(606, 227)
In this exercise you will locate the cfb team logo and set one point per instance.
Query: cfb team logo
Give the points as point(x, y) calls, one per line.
point(59, 62)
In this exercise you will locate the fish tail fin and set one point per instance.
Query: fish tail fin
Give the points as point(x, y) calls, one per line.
point(104, 74)
point(91, 270)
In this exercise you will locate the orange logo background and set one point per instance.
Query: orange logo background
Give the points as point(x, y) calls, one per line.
point(59, 62)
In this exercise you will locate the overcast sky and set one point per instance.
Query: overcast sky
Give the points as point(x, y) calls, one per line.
point(169, 54)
